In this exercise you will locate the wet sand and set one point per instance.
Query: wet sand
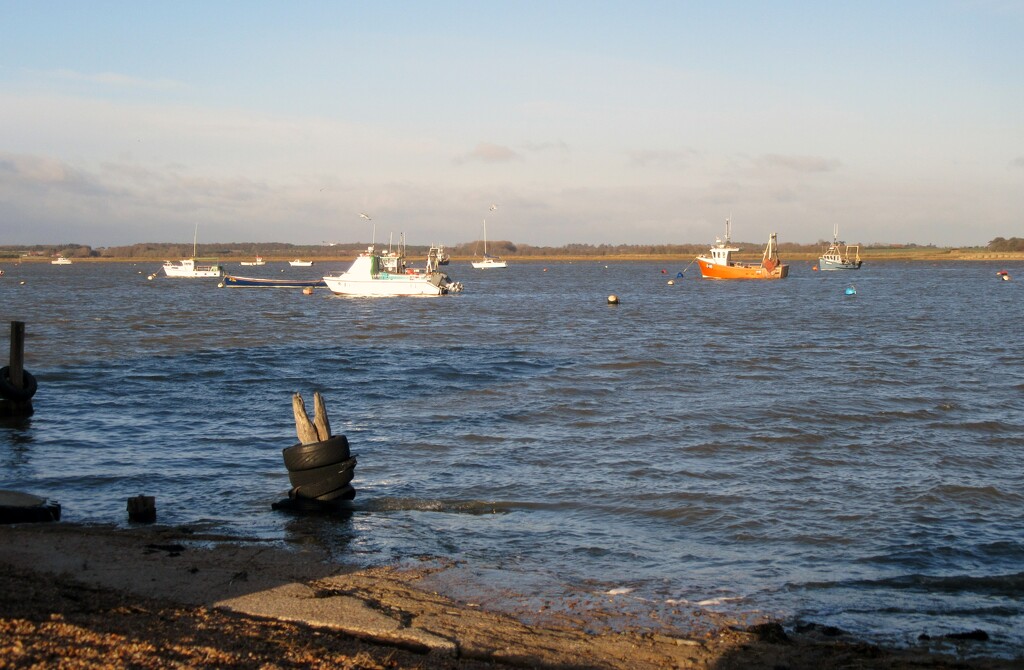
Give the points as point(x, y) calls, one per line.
point(160, 597)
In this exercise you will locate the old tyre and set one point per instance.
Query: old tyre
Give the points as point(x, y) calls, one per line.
point(335, 507)
point(316, 454)
point(344, 493)
point(342, 469)
point(8, 390)
point(323, 487)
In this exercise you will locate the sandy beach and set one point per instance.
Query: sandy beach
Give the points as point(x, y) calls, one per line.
point(159, 597)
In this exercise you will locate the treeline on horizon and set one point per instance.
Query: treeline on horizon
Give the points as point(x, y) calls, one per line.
point(176, 251)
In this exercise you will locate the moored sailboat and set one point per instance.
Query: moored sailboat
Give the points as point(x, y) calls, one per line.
point(488, 261)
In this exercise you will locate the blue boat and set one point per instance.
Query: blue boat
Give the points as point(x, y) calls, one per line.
point(834, 257)
point(255, 282)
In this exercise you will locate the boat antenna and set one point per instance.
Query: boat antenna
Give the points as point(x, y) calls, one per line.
point(373, 234)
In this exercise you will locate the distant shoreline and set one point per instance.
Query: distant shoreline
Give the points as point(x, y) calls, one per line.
point(869, 256)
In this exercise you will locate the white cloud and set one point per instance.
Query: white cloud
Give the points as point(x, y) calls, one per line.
point(662, 158)
point(485, 152)
point(799, 163)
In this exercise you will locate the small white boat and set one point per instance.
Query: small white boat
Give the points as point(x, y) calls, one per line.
point(61, 260)
point(489, 262)
point(300, 263)
point(194, 268)
point(259, 261)
point(375, 274)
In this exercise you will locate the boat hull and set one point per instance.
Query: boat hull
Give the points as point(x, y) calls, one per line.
point(833, 264)
point(393, 285)
point(178, 271)
point(711, 270)
point(256, 282)
point(489, 264)
point(300, 264)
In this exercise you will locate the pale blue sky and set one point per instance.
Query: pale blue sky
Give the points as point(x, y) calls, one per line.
point(602, 122)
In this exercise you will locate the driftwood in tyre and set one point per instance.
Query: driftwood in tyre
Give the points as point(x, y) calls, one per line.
point(320, 467)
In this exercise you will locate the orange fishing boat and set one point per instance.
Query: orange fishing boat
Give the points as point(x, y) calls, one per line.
point(719, 264)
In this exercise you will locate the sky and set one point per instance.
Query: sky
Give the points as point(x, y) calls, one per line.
point(585, 121)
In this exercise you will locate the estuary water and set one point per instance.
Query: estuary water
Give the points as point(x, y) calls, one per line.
point(765, 448)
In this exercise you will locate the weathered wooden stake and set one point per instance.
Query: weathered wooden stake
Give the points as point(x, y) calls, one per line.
point(17, 365)
point(317, 430)
point(304, 428)
point(15, 400)
point(142, 509)
point(323, 425)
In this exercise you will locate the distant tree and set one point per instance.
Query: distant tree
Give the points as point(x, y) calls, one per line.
point(1002, 244)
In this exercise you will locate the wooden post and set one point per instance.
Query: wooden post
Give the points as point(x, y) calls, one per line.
point(323, 426)
point(304, 428)
point(142, 509)
point(317, 430)
point(17, 365)
point(16, 391)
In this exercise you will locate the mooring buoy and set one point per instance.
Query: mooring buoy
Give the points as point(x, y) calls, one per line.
point(613, 299)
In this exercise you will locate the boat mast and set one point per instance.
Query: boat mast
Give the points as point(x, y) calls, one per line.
point(195, 240)
point(492, 208)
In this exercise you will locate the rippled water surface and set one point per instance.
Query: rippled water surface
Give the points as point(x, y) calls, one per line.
point(774, 447)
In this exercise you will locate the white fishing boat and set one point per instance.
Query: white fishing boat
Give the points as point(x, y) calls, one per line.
point(374, 274)
point(300, 263)
point(489, 262)
point(60, 260)
point(193, 268)
point(259, 261)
